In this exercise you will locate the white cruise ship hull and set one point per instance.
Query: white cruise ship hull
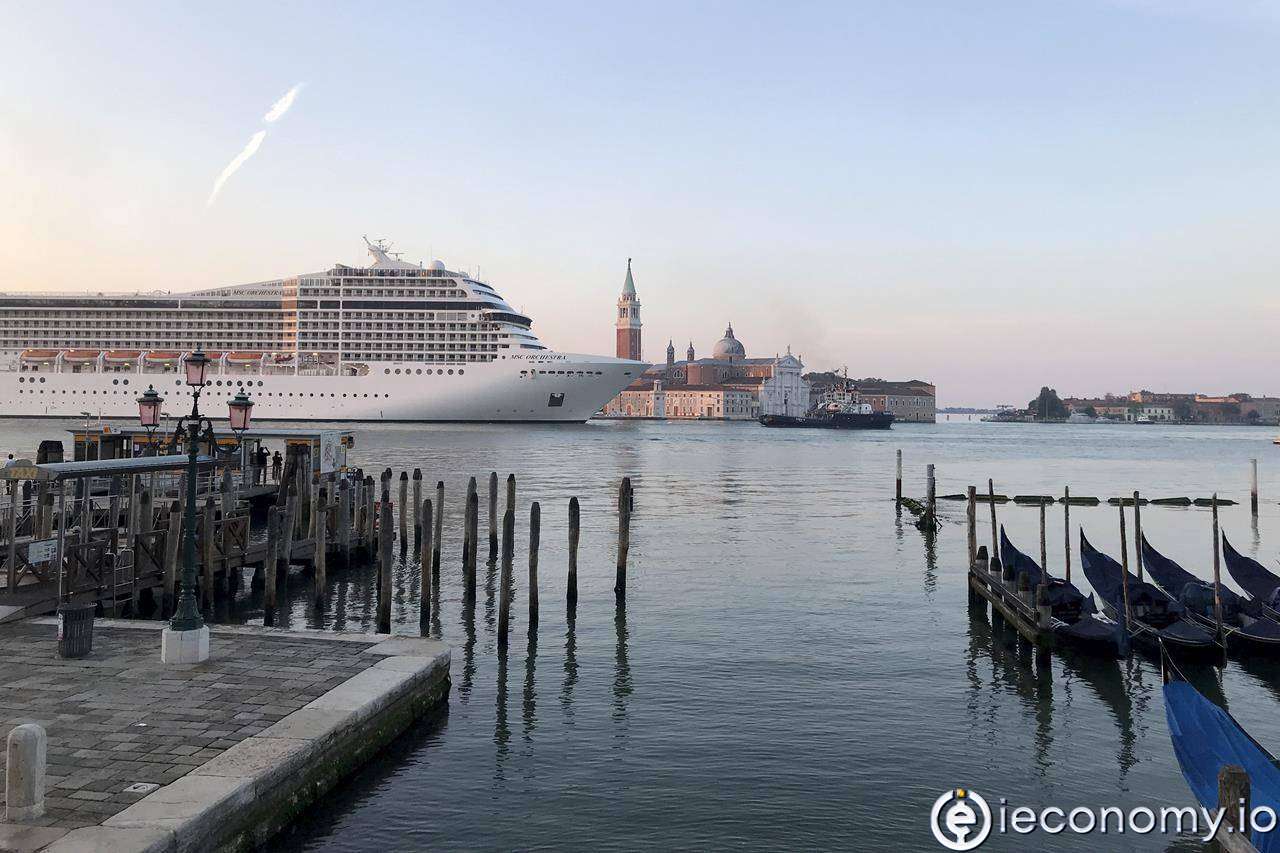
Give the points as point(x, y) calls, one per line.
point(546, 387)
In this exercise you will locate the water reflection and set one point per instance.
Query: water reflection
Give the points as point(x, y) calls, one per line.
point(437, 628)
point(340, 604)
point(529, 716)
point(1109, 681)
point(468, 649)
point(930, 565)
point(1265, 672)
point(1018, 666)
point(501, 731)
point(570, 662)
point(622, 686)
point(490, 590)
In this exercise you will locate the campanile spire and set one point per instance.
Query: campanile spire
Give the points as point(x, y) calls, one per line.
point(628, 323)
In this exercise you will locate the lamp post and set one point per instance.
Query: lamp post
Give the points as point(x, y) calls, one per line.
point(149, 415)
point(186, 640)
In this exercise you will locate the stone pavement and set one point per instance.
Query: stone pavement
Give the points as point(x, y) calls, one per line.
point(120, 723)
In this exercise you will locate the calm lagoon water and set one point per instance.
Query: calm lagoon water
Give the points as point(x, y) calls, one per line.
point(796, 667)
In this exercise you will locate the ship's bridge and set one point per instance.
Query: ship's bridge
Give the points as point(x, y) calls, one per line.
point(507, 317)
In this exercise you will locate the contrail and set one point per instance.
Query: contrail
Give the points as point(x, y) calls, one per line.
point(249, 150)
point(280, 107)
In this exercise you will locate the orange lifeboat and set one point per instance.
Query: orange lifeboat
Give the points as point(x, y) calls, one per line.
point(162, 356)
point(81, 355)
point(39, 354)
point(242, 357)
point(122, 354)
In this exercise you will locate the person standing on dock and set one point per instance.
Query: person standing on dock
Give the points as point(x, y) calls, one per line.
point(276, 464)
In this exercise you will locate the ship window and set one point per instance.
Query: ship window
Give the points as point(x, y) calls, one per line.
point(125, 381)
point(386, 370)
point(451, 371)
point(42, 379)
point(460, 371)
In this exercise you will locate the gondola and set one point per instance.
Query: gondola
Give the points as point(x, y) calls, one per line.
point(1207, 738)
point(1154, 615)
point(1246, 627)
point(1261, 583)
point(1074, 616)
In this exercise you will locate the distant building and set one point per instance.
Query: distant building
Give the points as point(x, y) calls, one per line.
point(628, 324)
point(1238, 408)
point(914, 400)
point(726, 386)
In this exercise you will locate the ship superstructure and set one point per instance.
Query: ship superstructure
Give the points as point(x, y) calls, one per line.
point(391, 341)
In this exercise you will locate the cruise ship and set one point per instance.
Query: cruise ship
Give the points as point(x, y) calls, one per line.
point(392, 341)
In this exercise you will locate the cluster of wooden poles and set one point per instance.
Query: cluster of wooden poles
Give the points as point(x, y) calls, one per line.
point(1135, 502)
point(426, 518)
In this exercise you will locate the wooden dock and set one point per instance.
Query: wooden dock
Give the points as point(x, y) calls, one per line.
point(991, 582)
point(121, 551)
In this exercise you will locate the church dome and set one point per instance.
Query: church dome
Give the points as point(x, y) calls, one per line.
point(728, 347)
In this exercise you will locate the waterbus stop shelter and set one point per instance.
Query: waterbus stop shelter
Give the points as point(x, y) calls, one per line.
point(36, 559)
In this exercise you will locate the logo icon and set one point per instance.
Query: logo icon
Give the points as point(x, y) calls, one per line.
point(960, 820)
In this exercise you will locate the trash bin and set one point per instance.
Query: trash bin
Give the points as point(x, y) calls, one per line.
point(75, 630)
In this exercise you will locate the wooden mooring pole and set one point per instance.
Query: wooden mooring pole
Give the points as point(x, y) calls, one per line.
point(572, 591)
point(1124, 575)
point(1044, 549)
point(493, 516)
point(172, 548)
point(386, 556)
point(404, 509)
point(320, 558)
point(995, 529)
point(971, 519)
point(271, 564)
point(424, 567)
point(511, 502)
point(467, 526)
point(417, 508)
point(504, 581)
point(897, 492)
point(1253, 485)
point(1066, 525)
point(206, 551)
point(535, 523)
point(1137, 534)
point(345, 523)
point(469, 555)
point(1234, 800)
point(624, 539)
point(439, 534)
point(1217, 571)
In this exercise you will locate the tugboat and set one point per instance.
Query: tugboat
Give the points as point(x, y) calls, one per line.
point(838, 408)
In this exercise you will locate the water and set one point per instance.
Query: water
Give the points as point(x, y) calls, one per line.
point(796, 668)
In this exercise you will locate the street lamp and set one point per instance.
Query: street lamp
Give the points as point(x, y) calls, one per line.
point(149, 416)
point(186, 639)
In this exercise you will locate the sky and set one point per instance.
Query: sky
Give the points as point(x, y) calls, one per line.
point(992, 196)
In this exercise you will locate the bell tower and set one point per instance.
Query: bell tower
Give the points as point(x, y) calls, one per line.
point(629, 319)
